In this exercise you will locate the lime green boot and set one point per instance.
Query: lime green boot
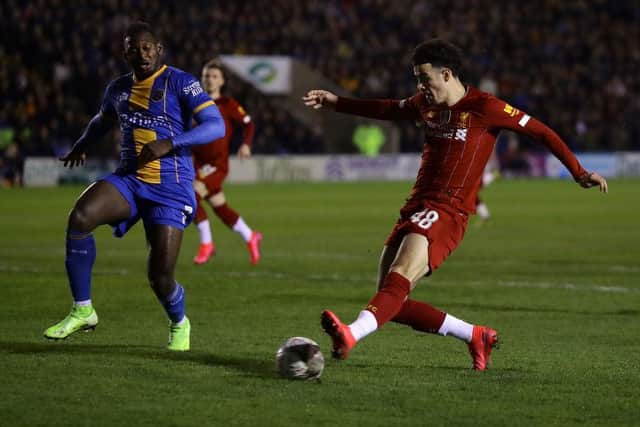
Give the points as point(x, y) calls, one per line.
point(81, 318)
point(179, 335)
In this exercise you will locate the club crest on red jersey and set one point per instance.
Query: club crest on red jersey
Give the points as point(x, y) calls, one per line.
point(463, 120)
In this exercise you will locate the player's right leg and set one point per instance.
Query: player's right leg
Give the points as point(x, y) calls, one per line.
point(101, 203)
point(207, 248)
point(408, 264)
point(345, 336)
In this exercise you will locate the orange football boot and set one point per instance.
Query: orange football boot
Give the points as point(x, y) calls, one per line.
point(483, 340)
point(205, 251)
point(254, 247)
point(341, 336)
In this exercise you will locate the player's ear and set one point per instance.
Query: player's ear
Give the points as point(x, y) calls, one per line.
point(446, 73)
point(160, 48)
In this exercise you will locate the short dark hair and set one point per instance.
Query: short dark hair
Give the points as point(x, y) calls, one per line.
point(214, 63)
point(438, 53)
point(139, 27)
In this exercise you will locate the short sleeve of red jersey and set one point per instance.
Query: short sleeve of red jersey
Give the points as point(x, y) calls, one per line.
point(500, 115)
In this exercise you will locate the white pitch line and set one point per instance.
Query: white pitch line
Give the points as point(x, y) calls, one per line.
point(354, 278)
point(4, 268)
point(372, 280)
point(567, 286)
point(625, 268)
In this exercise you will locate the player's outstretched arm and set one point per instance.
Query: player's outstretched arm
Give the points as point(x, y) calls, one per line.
point(97, 127)
point(502, 115)
point(317, 98)
point(381, 109)
point(593, 179)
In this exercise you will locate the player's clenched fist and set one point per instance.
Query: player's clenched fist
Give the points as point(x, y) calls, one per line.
point(154, 150)
point(319, 98)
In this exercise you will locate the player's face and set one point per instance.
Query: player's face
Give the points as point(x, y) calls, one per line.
point(143, 54)
point(432, 81)
point(212, 79)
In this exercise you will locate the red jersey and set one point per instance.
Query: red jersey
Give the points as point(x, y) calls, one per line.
point(216, 153)
point(459, 141)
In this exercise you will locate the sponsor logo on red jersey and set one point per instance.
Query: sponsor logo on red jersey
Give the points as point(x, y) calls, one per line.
point(511, 111)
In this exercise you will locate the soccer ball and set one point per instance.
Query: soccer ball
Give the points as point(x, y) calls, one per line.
point(300, 358)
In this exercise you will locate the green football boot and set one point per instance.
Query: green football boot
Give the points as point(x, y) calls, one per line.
point(81, 318)
point(179, 335)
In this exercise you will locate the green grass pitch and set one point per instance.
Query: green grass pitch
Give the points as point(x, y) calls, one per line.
point(556, 271)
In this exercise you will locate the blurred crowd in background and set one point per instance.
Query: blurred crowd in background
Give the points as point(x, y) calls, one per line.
point(572, 64)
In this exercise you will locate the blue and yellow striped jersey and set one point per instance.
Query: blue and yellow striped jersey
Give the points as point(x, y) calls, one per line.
point(160, 106)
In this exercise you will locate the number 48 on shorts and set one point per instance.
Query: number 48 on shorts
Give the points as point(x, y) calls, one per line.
point(425, 219)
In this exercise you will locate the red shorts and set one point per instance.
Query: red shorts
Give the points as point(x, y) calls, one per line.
point(441, 224)
point(208, 180)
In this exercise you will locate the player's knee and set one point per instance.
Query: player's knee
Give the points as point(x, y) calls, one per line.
point(217, 199)
point(161, 282)
point(80, 220)
point(410, 271)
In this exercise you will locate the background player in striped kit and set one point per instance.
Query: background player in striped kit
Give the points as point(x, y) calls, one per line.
point(461, 124)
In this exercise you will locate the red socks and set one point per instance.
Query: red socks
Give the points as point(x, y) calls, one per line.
point(387, 302)
point(391, 303)
point(227, 215)
point(201, 214)
point(420, 316)
point(224, 212)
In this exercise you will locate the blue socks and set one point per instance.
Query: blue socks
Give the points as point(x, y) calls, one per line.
point(81, 255)
point(174, 304)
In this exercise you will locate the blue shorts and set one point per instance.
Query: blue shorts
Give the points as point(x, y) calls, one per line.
point(169, 204)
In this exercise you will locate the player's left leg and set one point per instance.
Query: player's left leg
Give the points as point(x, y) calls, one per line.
point(234, 221)
point(164, 247)
point(424, 317)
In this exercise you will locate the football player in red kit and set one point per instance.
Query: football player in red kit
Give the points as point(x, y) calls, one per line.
point(461, 124)
point(212, 166)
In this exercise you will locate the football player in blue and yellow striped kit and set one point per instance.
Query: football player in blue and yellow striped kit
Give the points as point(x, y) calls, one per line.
point(154, 106)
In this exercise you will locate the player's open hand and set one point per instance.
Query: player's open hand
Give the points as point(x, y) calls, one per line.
point(244, 152)
point(593, 179)
point(319, 98)
point(73, 158)
point(154, 150)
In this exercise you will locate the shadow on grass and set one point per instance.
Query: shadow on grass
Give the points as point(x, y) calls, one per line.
point(253, 367)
